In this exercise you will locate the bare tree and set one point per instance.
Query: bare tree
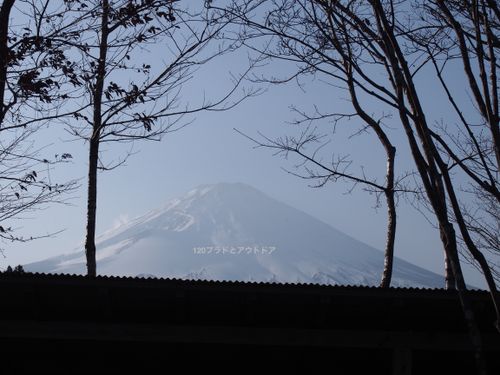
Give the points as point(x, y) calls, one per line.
point(370, 46)
point(466, 34)
point(129, 93)
point(312, 167)
point(32, 89)
point(291, 32)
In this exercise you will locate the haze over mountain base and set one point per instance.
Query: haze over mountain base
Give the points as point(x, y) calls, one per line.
point(235, 232)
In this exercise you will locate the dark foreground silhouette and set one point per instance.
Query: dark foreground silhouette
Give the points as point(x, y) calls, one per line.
point(72, 324)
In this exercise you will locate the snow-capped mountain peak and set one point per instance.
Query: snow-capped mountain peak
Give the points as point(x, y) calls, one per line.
point(235, 232)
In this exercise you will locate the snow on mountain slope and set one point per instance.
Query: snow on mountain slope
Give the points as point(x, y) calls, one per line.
point(235, 232)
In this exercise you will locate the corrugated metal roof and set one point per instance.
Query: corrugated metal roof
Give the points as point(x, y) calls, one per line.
point(234, 283)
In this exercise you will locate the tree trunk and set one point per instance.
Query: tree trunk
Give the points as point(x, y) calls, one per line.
point(448, 237)
point(390, 151)
point(90, 248)
point(97, 91)
point(476, 253)
point(4, 51)
point(449, 277)
point(391, 220)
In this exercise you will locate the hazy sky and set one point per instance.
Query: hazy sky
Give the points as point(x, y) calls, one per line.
point(210, 151)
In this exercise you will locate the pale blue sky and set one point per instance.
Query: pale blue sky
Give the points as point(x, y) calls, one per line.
point(210, 151)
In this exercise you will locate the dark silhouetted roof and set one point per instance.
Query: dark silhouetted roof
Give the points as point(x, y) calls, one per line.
point(137, 321)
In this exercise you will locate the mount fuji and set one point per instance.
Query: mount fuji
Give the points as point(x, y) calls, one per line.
point(235, 232)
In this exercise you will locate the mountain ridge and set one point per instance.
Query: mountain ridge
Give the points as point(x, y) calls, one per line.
point(229, 219)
